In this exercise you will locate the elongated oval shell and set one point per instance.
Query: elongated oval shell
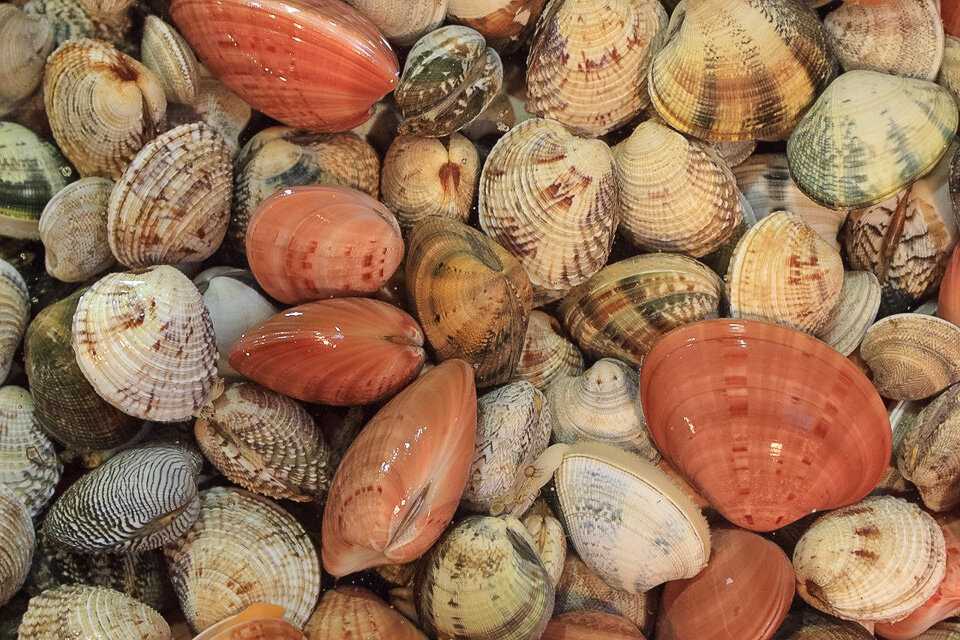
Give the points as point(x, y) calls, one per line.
point(80, 611)
point(402, 24)
point(387, 508)
point(25, 42)
point(28, 461)
point(242, 549)
point(167, 54)
point(550, 541)
point(547, 354)
point(73, 229)
point(352, 612)
point(505, 24)
point(550, 199)
point(14, 314)
point(854, 312)
point(259, 621)
point(579, 589)
point(16, 543)
point(927, 457)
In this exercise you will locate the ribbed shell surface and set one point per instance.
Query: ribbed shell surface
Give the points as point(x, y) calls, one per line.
point(547, 354)
point(351, 612)
point(73, 229)
point(14, 314)
point(28, 461)
point(25, 43)
point(167, 54)
point(16, 543)
point(929, 454)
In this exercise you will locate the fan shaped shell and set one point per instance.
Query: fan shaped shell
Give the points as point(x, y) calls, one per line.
point(80, 611)
point(28, 462)
point(16, 543)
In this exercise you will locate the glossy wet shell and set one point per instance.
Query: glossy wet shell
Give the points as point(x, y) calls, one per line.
point(547, 354)
point(73, 229)
point(78, 611)
point(505, 24)
point(167, 54)
point(25, 43)
point(579, 589)
point(14, 314)
point(928, 453)
point(550, 541)
point(259, 621)
point(28, 461)
point(16, 543)
point(403, 24)
point(854, 312)
point(352, 612)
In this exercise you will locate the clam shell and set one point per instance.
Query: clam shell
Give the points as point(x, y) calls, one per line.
point(402, 24)
point(243, 549)
point(72, 20)
point(484, 580)
point(167, 54)
point(782, 271)
point(119, 101)
point(505, 24)
point(854, 313)
point(386, 508)
point(588, 61)
point(16, 540)
point(697, 80)
point(579, 589)
point(25, 43)
point(80, 611)
point(948, 301)
point(942, 631)
point(550, 199)
point(259, 621)
point(949, 75)
point(221, 108)
point(547, 354)
point(73, 229)
point(581, 625)
point(14, 314)
point(449, 78)
point(868, 136)
point(472, 297)
point(928, 458)
point(352, 612)
point(28, 461)
point(810, 624)
point(550, 541)
point(880, 541)
point(624, 309)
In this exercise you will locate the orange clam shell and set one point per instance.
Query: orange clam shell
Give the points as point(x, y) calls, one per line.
point(313, 242)
point(590, 625)
point(948, 303)
point(767, 423)
point(341, 352)
point(260, 621)
point(311, 64)
point(400, 482)
point(950, 12)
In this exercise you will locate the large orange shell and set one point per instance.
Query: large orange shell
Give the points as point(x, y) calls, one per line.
point(766, 422)
point(948, 304)
point(400, 481)
point(259, 621)
point(341, 352)
point(308, 243)
point(312, 64)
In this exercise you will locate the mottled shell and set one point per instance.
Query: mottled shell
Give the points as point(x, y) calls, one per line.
point(351, 612)
point(119, 101)
point(429, 176)
point(473, 298)
point(16, 543)
point(625, 308)
point(25, 42)
point(550, 199)
point(912, 356)
point(136, 501)
point(449, 78)
point(402, 23)
point(167, 54)
point(28, 461)
point(675, 194)
point(243, 549)
point(72, 20)
point(928, 456)
point(740, 69)
point(902, 37)
point(782, 271)
point(146, 343)
point(80, 611)
point(172, 203)
point(513, 428)
point(589, 59)
point(505, 24)
point(550, 541)
point(483, 581)
point(868, 136)
point(854, 313)
point(547, 354)
point(221, 108)
point(14, 314)
point(73, 229)
point(949, 75)
point(880, 541)
point(580, 589)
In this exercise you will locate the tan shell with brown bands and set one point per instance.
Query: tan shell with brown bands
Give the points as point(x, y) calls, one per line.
point(402, 23)
point(854, 312)
point(589, 59)
point(547, 354)
point(624, 309)
point(25, 43)
point(579, 589)
point(167, 54)
point(80, 611)
point(550, 541)
point(505, 24)
point(28, 461)
point(14, 314)
point(16, 543)
point(221, 108)
point(352, 612)
point(929, 455)
point(73, 229)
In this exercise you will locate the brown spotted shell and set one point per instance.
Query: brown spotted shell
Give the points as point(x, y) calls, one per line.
point(352, 612)
point(16, 543)
point(28, 461)
point(547, 353)
point(25, 42)
point(167, 54)
point(73, 229)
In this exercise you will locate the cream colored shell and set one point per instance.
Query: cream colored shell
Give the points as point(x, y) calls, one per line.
point(14, 314)
point(403, 23)
point(929, 455)
point(167, 54)
point(550, 541)
point(73, 229)
point(949, 75)
point(547, 354)
point(28, 461)
point(854, 313)
point(80, 611)
point(221, 108)
point(25, 42)
point(16, 543)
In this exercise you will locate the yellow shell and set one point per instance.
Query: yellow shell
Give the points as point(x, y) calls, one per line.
point(16, 542)
point(25, 42)
point(28, 461)
point(73, 229)
point(167, 54)
point(80, 611)
point(550, 541)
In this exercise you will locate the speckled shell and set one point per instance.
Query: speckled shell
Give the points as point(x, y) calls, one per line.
point(14, 314)
point(119, 101)
point(351, 612)
point(28, 461)
point(868, 136)
point(167, 54)
point(589, 59)
point(449, 78)
point(73, 229)
point(547, 354)
point(72, 20)
point(782, 271)
point(429, 176)
point(472, 297)
point(928, 456)
point(881, 541)
point(484, 581)
point(145, 341)
point(854, 313)
point(79, 611)
point(16, 543)
point(402, 24)
point(697, 80)
point(902, 37)
point(25, 43)
point(550, 541)
point(505, 24)
point(221, 108)
point(259, 621)
point(243, 549)
point(810, 624)
point(579, 589)
point(625, 308)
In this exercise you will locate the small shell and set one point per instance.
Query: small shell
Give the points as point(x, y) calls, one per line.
point(550, 199)
point(485, 580)
point(588, 61)
point(14, 314)
point(73, 229)
point(579, 589)
point(221, 108)
point(28, 461)
point(79, 611)
point(949, 75)
point(25, 42)
point(912, 356)
point(429, 176)
point(402, 24)
point(547, 354)
point(505, 24)
point(550, 541)
point(259, 621)
point(351, 612)
point(449, 78)
point(119, 101)
point(16, 542)
point(167, 54)
point(880, 541)
point(601, 405)
point(928, 456)
point(854, 313)
point(145, 341)
point(243, 549)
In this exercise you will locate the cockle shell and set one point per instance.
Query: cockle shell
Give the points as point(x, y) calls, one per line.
point(313, 242)
point(948, 301)
point(73, 229)
point(783, 272)
point(221, 108)
point(14, 314)
point(579, 589)
point(28, 461)
point(429, 176)
point(25, 42)
point(402, 24)
point(927, 456)
point(145, 342)
point(351, 612)
point(868, 136)
point(882, 540)
point(472, 297)
point(106, 6)
point(547, 354)
point(675, 194)
point(854, 312)
point(16, 543)
point(259, 621)
point(313, 64)
point(449, 78)
point(624, 309)
point(697, 81)
point(550, 199)
point(119, 101)
point(810, 624)
point(347, 351)
point(550, 541)
point(505, 24)
point(581, 625)
point(243, 549)
point(167, 54)
point(484, 580)
point(136, 501)
point(902, 37)
point(388, 508)
point(589, 59)
point(80, 611)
